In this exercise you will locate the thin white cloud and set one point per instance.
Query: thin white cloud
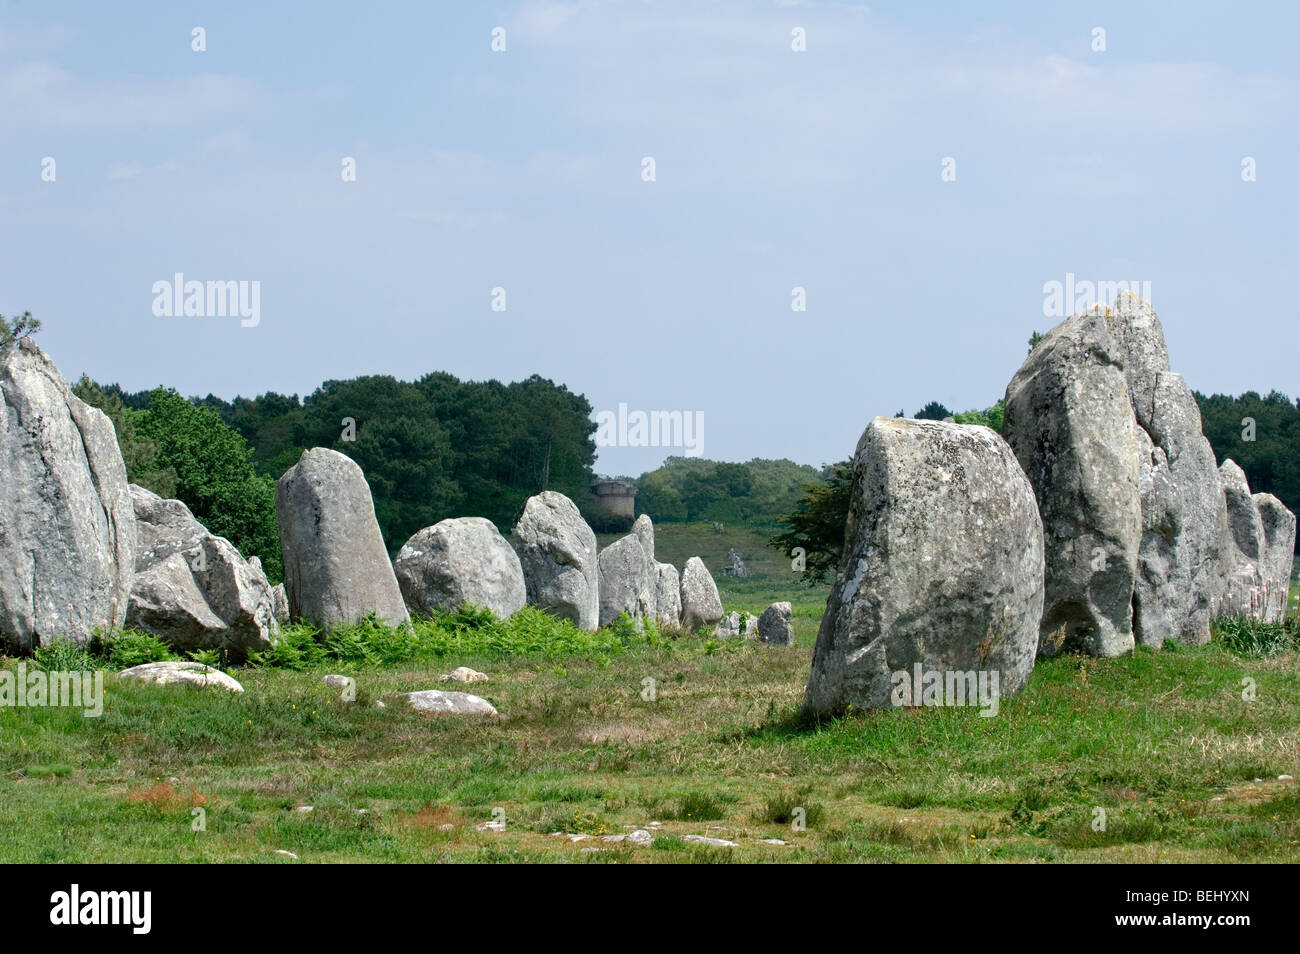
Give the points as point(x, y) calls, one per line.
point(43, 98)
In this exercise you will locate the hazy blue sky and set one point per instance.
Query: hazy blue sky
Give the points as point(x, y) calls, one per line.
point(775, 169)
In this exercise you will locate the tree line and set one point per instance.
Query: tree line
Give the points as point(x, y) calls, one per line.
point(432, 448)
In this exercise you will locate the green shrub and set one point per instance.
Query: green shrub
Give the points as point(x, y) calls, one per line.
point(297, 648)
point(125, 648)
point(64, 657)
point(1246, 636)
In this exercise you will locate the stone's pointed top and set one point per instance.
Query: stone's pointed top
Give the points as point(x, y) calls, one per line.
point(1231, 473)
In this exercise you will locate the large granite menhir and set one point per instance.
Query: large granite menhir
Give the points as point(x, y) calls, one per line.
point(1134, 516)
point(336, 568)
point(942, 566)
point(67, 530)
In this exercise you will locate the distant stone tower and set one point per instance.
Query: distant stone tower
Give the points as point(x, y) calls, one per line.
point(615, 497)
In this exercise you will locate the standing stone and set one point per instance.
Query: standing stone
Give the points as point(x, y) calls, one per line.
point(668, 595)
point(557, 551)
point(1191, 511)
point(735, 565)
point(1244, 544)
point(67, 531)
point(627, 581)
point(942, 567)
point(192, 588)
point(280, 603)
point(460, 560)
point(644, 530)
point(701, 604)
point(1161, 579)
point(336, 568)
point(1070, 422)
point(1279, 554)
point(776, 625)
point(1196, 552)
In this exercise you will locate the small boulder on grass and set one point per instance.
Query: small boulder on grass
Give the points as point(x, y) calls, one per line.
point(449, 703)
point(463, 674)
point(173, 672)
point(776, 624)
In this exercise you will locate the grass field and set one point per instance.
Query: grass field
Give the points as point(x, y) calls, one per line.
point(1184, 767)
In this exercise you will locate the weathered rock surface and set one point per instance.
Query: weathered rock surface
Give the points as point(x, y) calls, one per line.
point(192, 588)
point(701, 604)
point(336, 568)
point(280, 603)
point(1185, 534)
point(776, 625)
point(452, 703)
point(1279, 553)
point(942, 566)
point(1259, 547)
point(1070, 421)
point(460, 560)
point(180, 673)
point(67, 532)
point(736, 624)
point(557, 551)
point(628, 579)
point(463, 674)
point(668, 595)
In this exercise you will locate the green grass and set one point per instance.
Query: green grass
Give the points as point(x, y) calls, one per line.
point(1185, 768)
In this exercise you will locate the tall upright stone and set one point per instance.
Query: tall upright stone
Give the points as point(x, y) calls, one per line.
point(1192, 515)
point(336, 567)
point(67, 530)
point(1070, 421)
point(942, 566)
point(1278, 524)
point(701, 604)
point(668, 595)
point(628, 579)
point(557, 551)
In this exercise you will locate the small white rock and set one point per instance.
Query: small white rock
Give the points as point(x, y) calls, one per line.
point(772, 841)
point(1284, 778)
point(287, 854)
point(463, 674)
point(640, 838)
point(192, 673)
point(455, 703)
point(304, 809)
point(715, 842)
